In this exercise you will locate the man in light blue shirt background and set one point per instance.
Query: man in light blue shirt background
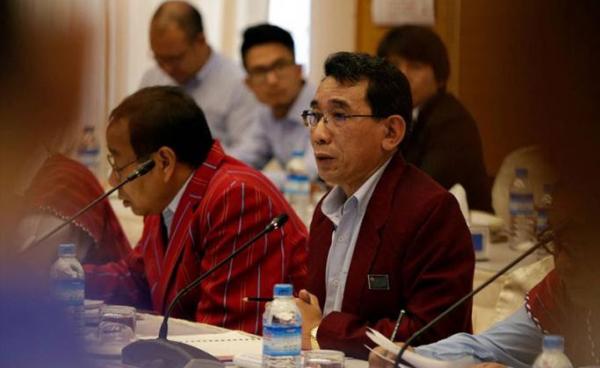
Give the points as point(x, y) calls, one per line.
point(185, 59)
point(277, 82)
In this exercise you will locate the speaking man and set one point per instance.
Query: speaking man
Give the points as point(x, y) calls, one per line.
point(387, 238)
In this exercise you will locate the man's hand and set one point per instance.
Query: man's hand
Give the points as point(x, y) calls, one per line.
point(375, 361)
point(311, 315)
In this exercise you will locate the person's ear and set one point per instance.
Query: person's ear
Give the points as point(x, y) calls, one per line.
point(298, 71)
point(166, 160)
point(395, 128)
point(200, 40)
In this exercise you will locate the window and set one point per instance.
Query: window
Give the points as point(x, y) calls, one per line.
point(294, 16)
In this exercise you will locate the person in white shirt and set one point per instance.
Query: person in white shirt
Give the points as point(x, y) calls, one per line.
point(184, 58)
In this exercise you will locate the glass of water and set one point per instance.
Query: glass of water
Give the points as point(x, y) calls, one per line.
point(117, 324)
point(323, 359)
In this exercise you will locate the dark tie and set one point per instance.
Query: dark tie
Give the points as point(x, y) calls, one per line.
point(164, 232)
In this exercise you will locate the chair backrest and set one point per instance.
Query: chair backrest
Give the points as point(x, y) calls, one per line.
point(540, 173)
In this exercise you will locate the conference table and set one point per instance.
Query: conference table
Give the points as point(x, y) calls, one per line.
point(148, 325)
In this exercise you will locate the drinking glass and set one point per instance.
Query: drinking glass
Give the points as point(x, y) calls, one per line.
point(117, 324)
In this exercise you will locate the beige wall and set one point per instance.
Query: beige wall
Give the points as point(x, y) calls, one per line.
point(333, 24)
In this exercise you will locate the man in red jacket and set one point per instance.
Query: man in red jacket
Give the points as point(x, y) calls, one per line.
point(199, 206)
point(386, 238)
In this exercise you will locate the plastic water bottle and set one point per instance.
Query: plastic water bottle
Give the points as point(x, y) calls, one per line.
point(297, 186)
point(553, 355)
point(522, 211)
point(543, 209)
point(88, 151)
point(282, 330)
point(68, 282)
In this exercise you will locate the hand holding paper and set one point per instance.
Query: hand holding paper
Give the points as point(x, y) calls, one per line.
point(415, 360)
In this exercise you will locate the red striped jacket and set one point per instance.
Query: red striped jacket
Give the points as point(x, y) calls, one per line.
point(223, 206)
point(62, 187)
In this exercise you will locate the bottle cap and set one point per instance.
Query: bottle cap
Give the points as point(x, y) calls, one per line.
point(521, 172)
point(297, 153)
point(283, 290)
point(66, 250)
point(554, 342)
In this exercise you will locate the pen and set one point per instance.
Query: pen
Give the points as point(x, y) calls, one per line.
point(395, 331)
point(257, 299)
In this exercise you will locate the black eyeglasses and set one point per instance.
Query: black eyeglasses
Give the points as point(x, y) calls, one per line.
point(118, 169)
point(311, 118)
point(259, 74)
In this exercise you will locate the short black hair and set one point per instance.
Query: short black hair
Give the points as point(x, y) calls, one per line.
point(165, 116)
point(266, 33)
point(417, 43)
point(388, 91)
point(182, 13)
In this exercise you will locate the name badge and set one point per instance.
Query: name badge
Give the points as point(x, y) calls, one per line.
point(379, 282)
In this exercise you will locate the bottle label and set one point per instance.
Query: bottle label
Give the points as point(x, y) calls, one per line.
point(521, 204)
point(281, 340)
point(70, 292)
point(542, 220)
point(297, 184)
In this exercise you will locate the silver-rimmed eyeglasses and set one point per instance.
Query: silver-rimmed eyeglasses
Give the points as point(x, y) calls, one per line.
point(311, 118)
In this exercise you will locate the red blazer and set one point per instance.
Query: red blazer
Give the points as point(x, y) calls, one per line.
point(414, 234)
point(223, 206)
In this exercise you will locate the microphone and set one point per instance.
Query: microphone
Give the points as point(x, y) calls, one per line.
point(162, 352)
point(141, 170)
point(546, 237)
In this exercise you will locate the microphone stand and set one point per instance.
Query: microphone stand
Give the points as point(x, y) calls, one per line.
point(141, 170)
point(546, 237)
point(161, 352)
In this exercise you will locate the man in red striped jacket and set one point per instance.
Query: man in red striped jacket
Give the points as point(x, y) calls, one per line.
point(199, 206)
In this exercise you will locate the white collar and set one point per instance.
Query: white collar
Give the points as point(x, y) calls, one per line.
point(335, 202)
point(169, 212)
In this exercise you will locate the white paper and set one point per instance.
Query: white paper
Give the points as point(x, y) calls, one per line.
point(398, 12)
point(416, 360)
point(224, 345)
point(459, 192)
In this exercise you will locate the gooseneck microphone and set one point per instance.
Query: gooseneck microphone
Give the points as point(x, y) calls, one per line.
point(546, 237)
point(161, 352)
point(141, 170)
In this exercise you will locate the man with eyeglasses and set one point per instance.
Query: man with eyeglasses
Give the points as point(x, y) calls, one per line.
point(199, 205)
point(184, 58)
point(277, 82)
point(386, 238)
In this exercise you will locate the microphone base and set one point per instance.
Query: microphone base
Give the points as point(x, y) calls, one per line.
point(165, 353)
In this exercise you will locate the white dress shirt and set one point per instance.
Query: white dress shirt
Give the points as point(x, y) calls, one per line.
point(169, 212)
